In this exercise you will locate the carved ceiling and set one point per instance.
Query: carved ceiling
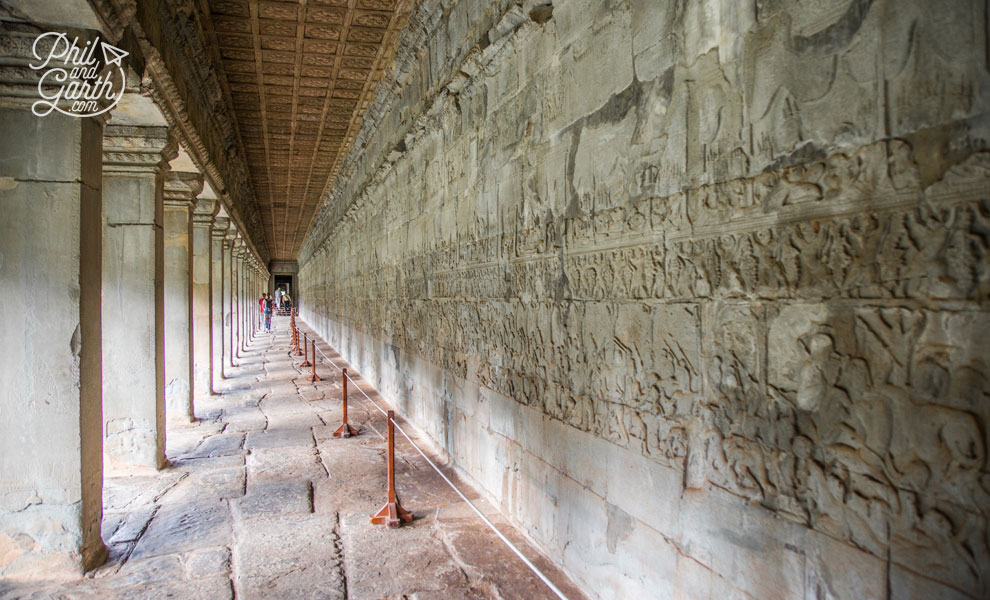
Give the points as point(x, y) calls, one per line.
point(299, 75)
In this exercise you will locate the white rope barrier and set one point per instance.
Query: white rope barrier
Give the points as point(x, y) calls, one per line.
point(490, 525)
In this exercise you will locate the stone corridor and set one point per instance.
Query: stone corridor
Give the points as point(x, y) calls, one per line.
point(692, 295)
point(260, 501)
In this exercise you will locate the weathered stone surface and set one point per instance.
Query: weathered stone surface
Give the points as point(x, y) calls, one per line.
point(281, 464)
point(204, 482)
point(180, 527)
point(131, 527)
point(289, 557)
point(371, 577)
point(741, 258)
point(208, 562)
point(279, 438)
point(223, 444)
point(244, 418)
point(130, 492)
point(275, 498)
point(183, 438)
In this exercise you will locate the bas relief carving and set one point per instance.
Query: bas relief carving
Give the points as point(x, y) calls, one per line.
point(765, 267)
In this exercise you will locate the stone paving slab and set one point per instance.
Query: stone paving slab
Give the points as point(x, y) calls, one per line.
point(284, 464)
point(313, 394)
point(281, 437)
point(136, 491)
point(379, 561)
point(132, 525)
point(224, 444)
point(183, 439)
point(244, 419)
point(299, 422)
point(213, 588)
point(307, 563)
point(277, 498)
point(181, 527)
point(185, 465)
point(208, 484)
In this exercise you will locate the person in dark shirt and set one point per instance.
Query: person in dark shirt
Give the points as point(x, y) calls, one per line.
point(268, 306)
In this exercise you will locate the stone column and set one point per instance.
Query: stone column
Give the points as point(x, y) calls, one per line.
point(134, 162)
point(238, 294)
point(242, 300)
point(217, 234)
point(235, 308)
point(261, 290)
point(202, 284)
point(252, 304)
point(248, 292)
point(255, 295)
point(180, 194)
point(51, 481)
point(228, 288)
point(253, 299)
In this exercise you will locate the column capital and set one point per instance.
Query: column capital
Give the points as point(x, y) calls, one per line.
point(219, 230)
point(135, 148)
point(228, 240)
point(181, 189)
point(205, 212)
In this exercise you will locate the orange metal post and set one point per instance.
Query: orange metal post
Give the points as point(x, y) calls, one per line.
point(295, 351)
point(305, 362)
point(392, 514)
point(345, 430)
point(314, 377)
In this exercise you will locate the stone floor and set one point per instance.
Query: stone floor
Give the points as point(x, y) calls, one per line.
point(262, 502)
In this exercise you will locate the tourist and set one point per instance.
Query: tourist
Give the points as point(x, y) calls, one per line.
point(269, 305)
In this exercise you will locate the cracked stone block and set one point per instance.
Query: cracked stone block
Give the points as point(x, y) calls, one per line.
point(312, 395)
point(181, 527)
point(123, 493)
point(208, 483)
point(289, 497)
point(281, 464)
point(132, 526)
point(219, 445)
point(213, 588)
point(207, 562)
point(244, 419)
point(280, 438)
point(183, 440)
point(306, 417)
point(289, 557)
point(428, 569)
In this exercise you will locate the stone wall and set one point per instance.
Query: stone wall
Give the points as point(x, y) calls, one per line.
point(696, 291)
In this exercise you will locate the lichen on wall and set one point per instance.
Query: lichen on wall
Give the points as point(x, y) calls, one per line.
point(696, 291)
